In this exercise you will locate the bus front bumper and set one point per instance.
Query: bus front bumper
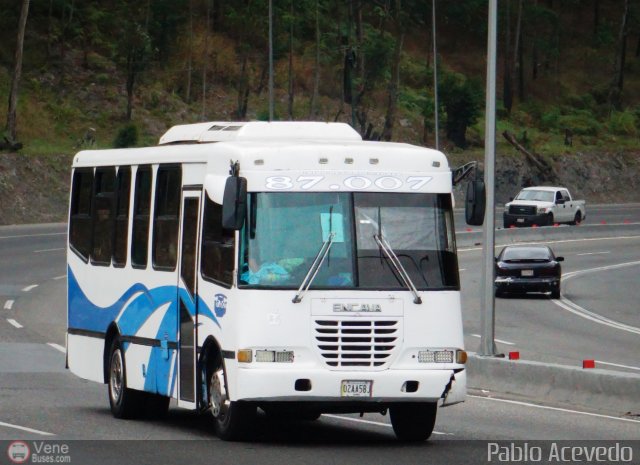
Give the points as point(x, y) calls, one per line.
point(325, 387)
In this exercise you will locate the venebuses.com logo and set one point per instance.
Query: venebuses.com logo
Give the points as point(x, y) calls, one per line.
point(18, 452)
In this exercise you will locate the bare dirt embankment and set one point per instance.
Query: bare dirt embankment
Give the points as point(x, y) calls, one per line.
point(35, 189)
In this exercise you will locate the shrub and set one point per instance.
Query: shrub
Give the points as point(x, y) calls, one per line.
point(127, 136)
point(623, 123)
point(581, 123)
point(549, 120)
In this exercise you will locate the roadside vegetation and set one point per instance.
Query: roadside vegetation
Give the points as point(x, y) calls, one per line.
point(118, 73)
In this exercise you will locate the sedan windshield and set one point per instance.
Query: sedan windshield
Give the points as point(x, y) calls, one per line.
point(542, 196)
point(284, 233)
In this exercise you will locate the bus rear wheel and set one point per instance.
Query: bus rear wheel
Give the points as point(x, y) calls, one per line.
point(232, 419)
point(124, 402)
point(413, 422)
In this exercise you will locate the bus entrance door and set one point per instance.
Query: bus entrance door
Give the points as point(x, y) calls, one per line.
point(188, 299)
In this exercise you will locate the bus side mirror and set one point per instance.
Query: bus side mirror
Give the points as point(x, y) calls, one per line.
point(234, 203)
point(475, 203)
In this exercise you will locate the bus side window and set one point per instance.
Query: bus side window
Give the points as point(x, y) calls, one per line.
point(80, 217)
point(103, 213)
point(166, 217)
point(216, 263)
point(141, 210)
point(123, 190)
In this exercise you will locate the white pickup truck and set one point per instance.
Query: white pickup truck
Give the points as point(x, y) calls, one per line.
point(543, 206)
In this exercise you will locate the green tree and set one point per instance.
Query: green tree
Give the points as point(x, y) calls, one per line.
point(462, 99)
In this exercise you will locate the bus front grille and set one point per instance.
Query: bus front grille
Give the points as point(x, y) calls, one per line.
point(357, 344)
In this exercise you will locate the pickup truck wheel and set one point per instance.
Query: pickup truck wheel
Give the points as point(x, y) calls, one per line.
point(550, 219)
point(577, 219)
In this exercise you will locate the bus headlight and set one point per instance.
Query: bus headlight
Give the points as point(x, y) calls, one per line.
point(435, 356)
point(277, 356)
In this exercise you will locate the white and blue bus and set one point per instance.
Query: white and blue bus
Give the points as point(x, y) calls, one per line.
point(286, 266)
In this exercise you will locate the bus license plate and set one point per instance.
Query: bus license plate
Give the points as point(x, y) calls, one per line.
point(527, 272)
point(356, 388)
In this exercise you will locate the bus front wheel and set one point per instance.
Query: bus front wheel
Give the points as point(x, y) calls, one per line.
point(233, 420)
point(124, 402)
point(413, 422)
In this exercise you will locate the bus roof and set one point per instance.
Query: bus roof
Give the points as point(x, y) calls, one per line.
point(278, 155)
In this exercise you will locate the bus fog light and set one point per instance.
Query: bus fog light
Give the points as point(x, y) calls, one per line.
point(244, 356)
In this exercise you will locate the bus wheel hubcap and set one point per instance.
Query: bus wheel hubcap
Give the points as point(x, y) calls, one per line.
point(218, 395)
point(116, 378)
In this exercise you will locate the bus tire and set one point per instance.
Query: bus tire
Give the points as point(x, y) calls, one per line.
point(413, 422)
point(232, 419)
point(125, 403)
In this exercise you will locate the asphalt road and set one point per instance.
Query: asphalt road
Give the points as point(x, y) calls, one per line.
point(38, 394)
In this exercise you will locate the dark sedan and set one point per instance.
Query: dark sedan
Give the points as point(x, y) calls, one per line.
point(530, 268)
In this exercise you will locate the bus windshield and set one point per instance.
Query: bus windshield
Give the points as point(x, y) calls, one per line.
point(284, 233)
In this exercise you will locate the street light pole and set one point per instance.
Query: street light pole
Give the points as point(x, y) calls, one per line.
point(487, 307)
point(435, 71)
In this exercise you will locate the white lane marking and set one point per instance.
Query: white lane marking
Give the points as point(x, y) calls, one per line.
point(572, 274)
point(497, 340)
point(24, 428)
point(57, 347)
point(462, 269)
point(369, 422)
point(13, 322)
point(592, 253)
point(28, 288)
point(557, 242)
point(34, 235)
point(8, 304)
point(576, 309)
point(617, 365)
point(586, 314)
point(60, 277)
point(558, 409)
point(49, 250)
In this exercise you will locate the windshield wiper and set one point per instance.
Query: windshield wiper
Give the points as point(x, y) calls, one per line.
point(315, 267)
point(395, 261)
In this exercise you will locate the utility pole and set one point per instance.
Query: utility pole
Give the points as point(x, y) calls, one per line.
point(487, 303)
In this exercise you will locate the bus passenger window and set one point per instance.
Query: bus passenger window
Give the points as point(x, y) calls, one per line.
point(216, 263)
point(102, 213)
point(122, 216)
point(141, 210)
point(165, 217)
point(80, 218)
